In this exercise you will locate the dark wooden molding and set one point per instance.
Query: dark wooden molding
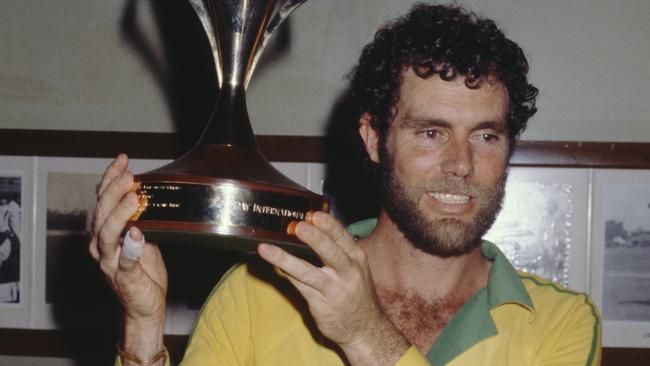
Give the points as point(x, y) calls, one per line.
point(153, 145)
point(20, 342)
point(56, 343)
point(49, 343)
point(143, 145)
point(569, 154)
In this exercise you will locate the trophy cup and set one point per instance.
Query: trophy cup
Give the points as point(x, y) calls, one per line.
point(223, 192)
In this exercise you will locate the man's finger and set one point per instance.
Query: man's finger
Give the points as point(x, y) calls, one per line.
point(111, 197)
point(111, 230)
point(132, 248)
point(333, 228)
point(114, 170)
point(93, 250)
point(133, 244)
point(294, 267)
point(307, 292)
point(329, 251)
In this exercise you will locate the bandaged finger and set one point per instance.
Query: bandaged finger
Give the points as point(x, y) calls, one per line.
point(132, 249)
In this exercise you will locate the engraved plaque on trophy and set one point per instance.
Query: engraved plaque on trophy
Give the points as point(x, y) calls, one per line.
point(223, 192)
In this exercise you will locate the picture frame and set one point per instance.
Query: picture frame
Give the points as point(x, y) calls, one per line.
point(620, 272)
point(543, 225)
point(69, 289)
point(16, 241)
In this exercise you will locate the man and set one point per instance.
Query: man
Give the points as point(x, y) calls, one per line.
point(443, 97)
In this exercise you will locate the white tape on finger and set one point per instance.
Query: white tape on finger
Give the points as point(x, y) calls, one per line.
point(131, 249)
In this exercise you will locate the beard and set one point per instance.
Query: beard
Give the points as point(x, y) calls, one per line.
point(445, 237)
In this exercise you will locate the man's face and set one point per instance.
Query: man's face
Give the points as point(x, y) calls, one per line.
point(444, 162)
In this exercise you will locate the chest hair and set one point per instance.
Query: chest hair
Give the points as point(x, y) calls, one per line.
point(420, 321)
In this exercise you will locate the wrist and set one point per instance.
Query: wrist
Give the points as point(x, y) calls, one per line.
point(129, 359)
point(143, 338)
point(384, 345)
point(378, 354)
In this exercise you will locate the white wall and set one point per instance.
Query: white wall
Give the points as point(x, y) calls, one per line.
point(64, 66)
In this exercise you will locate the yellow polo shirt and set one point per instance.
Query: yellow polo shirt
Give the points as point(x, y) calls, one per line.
point(255, 317)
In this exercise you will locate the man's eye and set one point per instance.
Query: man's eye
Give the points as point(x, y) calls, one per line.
point(489, 137)
point(431, 134)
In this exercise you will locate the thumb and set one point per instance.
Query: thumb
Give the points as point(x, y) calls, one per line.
point(132, 247)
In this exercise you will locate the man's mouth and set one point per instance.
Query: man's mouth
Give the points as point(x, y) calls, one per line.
point(450, 198)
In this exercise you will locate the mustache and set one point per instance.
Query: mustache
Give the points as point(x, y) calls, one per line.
point(462, 187)
point(454, 187)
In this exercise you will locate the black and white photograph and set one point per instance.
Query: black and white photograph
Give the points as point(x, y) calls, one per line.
point(10, 240)
point(16, 203)
point(70, 205)
point(71, 291)
point(626, 277)
point(620, 255)
point(71, 300)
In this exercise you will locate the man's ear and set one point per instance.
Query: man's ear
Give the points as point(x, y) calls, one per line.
point(370, 137)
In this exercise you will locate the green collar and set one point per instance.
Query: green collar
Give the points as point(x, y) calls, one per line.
point(473, 321)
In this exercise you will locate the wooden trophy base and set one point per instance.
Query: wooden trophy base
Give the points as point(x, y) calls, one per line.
point(222, 196)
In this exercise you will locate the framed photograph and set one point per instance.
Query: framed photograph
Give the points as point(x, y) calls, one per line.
point(70, 291)
point(543, 225)
point(621, 255)
point(16, 197)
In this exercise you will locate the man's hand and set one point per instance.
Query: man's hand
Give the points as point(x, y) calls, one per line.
point(137, 275)
point(341, 295)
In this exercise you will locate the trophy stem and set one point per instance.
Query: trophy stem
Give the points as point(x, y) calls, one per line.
point(229, 123)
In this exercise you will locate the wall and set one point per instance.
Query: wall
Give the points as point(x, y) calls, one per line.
point(73, 65)
point(68, 65)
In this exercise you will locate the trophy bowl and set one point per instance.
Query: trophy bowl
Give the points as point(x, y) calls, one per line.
point(223, 192)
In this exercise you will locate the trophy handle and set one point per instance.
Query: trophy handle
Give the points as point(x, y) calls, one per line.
point(285, 8)
point(202, 13)
point(281, 11)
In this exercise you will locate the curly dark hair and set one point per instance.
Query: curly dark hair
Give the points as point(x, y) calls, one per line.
point(443, 40)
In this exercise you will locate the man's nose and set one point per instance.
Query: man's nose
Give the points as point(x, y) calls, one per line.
point(458, 159)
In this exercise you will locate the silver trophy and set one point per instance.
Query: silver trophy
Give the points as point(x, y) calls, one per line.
point(223, 192)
